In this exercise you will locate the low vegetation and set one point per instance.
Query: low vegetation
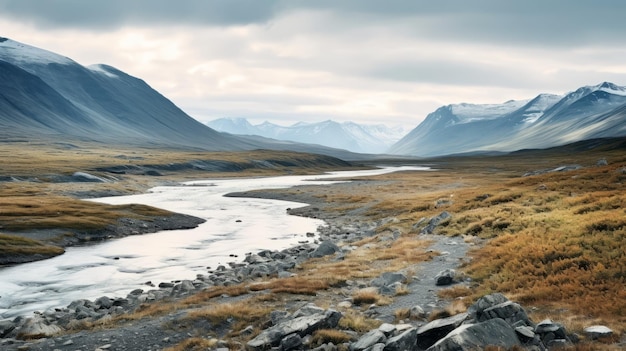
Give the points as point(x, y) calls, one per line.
point(551, 241)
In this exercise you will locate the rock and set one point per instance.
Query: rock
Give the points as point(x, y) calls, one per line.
point(6, 326)
point(278, 316)
point(549, 332)
point(302, 326)
point(324, 249)
point(434, 222)
point(388, 278)
point(429, 334)
point(104, 302)
point(416, 312)
point(37, 325)
point(594, 332)
point(404, 341)
point(291, 342)
point(477, 336)
point(255, 259)
point(484, 303)
point(511, 312)
point(387, 329)
point(602, 162)
point(445, 277)
point(525, 334)
point(308, 310)
point(368, 339)
point(165, 285)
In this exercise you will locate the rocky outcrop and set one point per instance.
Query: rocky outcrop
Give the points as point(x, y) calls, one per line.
point(495, 332)
point(290, 331)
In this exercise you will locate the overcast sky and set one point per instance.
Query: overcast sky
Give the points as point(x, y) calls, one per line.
point(366, 61)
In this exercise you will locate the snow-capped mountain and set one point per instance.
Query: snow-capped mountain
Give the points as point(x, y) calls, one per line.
point(46, 95)
point(348, 135)
point(545, 121)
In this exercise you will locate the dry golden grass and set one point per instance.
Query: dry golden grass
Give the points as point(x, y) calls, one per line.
point(352, 320)
point(368, 297)
point(243, 311)
point(11, 245)
point(205, 295)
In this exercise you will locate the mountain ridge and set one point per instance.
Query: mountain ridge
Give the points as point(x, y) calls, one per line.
point(350, 136)
point(46, 95)
point(547, 120)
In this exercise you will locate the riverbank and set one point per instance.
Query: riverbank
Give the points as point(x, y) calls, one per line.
point(155, 330)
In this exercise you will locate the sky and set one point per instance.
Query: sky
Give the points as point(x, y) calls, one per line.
point(365, 61)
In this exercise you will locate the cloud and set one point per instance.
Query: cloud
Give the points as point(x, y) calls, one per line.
point(362, 60)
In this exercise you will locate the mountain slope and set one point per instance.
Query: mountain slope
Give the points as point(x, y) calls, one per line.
point(46, 95)
point(349, 136)
point(545, 121)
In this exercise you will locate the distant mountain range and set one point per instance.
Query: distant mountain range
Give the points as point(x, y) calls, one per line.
point(547, 120)
point(361, 138)
point(46, 95)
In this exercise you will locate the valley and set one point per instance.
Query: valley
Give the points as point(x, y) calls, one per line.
point(550, 241)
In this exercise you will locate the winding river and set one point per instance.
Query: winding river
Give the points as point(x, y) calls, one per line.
point(233, 227)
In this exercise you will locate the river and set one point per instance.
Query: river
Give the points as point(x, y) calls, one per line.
point(233, 227)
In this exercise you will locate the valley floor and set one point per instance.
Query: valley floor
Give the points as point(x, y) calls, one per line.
point(551, 240)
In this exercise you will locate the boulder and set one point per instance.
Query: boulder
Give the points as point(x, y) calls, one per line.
point(434, 222)
point(404, 341)
point(302, 326)
point(324, 249)
point(429, 334)
point(484, 303)
point(104, 302)
point(510, 311)
point(368, 340)
point(597, 331)
point(37, 325)
point(445, 277)
point(6, 326)
point(477, 336)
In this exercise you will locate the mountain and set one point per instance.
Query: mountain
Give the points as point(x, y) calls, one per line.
point(348, 135)
point(46, 95)
point(544, 121)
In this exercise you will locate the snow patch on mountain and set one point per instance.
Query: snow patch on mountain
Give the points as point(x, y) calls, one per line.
point(18, 54)
point(473, 112)
point(102, 70)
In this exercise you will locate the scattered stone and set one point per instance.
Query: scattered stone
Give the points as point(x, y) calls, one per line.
point(434, 222)
point(302, 326)
point(602, 162)
point(597, 331)
point(445, 277)
point(324, 249)
point(416, 312)
point(389, 278)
